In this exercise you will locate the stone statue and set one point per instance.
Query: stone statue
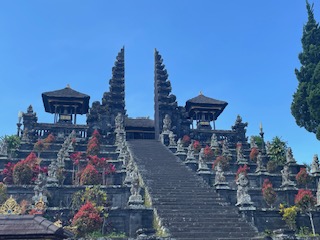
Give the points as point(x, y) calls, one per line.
point(190, 153)
point(3, 147)
point(129, 171)
point(214, 142)
point(253, 143)
point(172, 139)
point(202, 163)
point(219, 177)
point(180, 147)
point(289, 156)
point(240, 156)
point(40, 188)
point(225, 149)
point(119, 122)
point(268, 145)
point(135, 198)
point(315, 164)
point(286, 182)
point(243, 198)
point(260, 166)
point(318, 194)
point(166, 124)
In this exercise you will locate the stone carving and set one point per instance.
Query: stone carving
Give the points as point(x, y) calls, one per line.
point(119, 122)
point(225, 149)
point(214, 144)
point(240, 157)
point(268, 145)
point(289, 156)
point(52, 173)
point(253, 143)
point(129, 171)
point(166, 124)
point(135, 199)
point(260, 166)
point(315, 164)
point(180, 147)
point(40, 188)
point(318, 194)
point(172, 139)
point(243, 198)
point(10, 207)
point(219, 177)
point(190, 153)
point(286, 182)
point(202, 167)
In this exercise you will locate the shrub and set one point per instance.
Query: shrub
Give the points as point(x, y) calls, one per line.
point(93, 147)
point(272, 166)
point(87, 219)
point(277, 150)
point(289, 215)
point(304, 200)
point(254, 154)
point(3, 193)
point(93, 194)
point(90, 176)
point(224, 161)
point(8, 173)
point(208, 153)
point(268, 193)
point(242, 169)
point(196, 146)
point(186, 140)
point(302, 177)
point(22, 173)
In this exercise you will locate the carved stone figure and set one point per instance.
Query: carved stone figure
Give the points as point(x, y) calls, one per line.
point(180, 147)
point(172, 139)
point(253, 143)
point(214, 142)
point(3, 147)
point(260, 166)
point(315, 164)
point(318, 194)
point(243, 198)
point(202, 167)
point(219, 177)
point(40, 188)
point(268, 145)
point(166, 124)
point(135, 197)
point(225, 149)
point(286, 182)
point(289, 156)
point(119, 122)
point(190, 153)
point(240, 156)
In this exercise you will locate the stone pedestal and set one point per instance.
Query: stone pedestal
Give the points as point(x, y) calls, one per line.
point(221, 185)
point(135, 201)
point(181, 155)
point(192, 164)
point(206, 175)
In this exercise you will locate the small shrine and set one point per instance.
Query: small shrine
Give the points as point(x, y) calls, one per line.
point(65, 104)
point(204, 110)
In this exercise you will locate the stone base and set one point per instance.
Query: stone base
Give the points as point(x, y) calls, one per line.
point(246, 206)
point(181, 155)
point(221, 185)
point(206, 175)
point(135, 201)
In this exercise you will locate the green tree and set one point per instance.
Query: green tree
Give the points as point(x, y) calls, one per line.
point(305, 106)
point(277, 151)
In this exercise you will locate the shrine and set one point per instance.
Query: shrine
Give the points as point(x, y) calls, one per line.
point(176, 176)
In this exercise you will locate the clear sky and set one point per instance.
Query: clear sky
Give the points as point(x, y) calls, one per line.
point(242, 52)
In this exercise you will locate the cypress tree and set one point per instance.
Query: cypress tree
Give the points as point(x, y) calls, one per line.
point(305, 106)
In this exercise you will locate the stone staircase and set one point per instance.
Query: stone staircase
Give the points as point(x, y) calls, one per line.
point(185, 204)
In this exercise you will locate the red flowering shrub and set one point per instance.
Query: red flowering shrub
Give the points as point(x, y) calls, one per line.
point(76, 157)
point(186, 140)
point(90, 176)
point(305, 200)
point(87, 219)
point(39, 146)
point(208, 153)
point(242, 169)
point(49, 139)
point(8, 173)
point(96, 134)
point(26, 171)
point(254, 154)
point(93, 147)
point(268, 193)
point(196, 146)
point(22, 173)
point(302, 177)
point(223, 161)
point(238, 145)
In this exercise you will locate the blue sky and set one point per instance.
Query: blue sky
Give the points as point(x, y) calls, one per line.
point(242, 52)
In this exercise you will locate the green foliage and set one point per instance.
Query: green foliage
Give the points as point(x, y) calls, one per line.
point(289, 215)
point(13, 142)
point(277, 151)
point(3, 193)
point(258, 140)
point(305, 106)
point(93, 194)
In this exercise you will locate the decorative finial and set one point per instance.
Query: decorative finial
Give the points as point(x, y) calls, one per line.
point(200, 93)
point(68, 85)
point(261, 129)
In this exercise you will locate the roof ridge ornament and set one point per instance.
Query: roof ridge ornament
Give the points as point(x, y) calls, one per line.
point(200, 93)
point(68, 86)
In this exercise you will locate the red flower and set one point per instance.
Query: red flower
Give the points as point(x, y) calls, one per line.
point(186, 140)
point(208, 153)
point(304, 199)
point(242, 169)
point(302, 177)
point(268, 193)
point(196, 146)
point(90, 176)
point(254, 154)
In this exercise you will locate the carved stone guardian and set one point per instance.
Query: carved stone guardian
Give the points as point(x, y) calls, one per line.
point(260, 166)
point(315, 165)
point(289, 156)
point(286, 182)
point(243, 197)
point(135, 199)
point(220, 179)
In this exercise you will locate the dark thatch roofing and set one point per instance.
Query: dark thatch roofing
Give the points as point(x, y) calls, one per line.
point(30, 227)
point(206, 100)
point(66, 97)
point(139, 123)
point(66, 92)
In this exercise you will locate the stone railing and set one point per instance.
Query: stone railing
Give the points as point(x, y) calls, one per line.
point(204, 136)
point(43, 129)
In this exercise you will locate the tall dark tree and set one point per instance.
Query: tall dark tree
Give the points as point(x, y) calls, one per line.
point(305, 106)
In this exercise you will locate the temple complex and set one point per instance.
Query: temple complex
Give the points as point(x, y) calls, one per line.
point(172, 177)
